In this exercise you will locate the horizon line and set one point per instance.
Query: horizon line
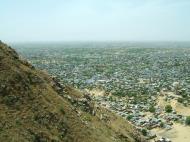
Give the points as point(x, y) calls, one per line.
point(92, 41)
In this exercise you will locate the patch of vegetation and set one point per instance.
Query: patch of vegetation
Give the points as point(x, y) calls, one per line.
point(10, 100)
point(86, 118)
point(180, 100)
point(162, 124)
point(63, 129)
point(187, 121)
point(62, 110)
point(18, 121)
point(152, 109)
point(168, 108)
point(119, 93)
point(144, 132)
point(129, 117)
point(184, 95)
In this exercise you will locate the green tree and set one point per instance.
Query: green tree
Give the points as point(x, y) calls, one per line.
point(129, 117)
point(180, 100)
point(144, 132)
point(187, 121)
point(152, 109)
point(168, 108)
point(162, 124)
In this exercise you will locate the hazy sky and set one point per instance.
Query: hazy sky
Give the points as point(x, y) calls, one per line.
point(60, 20)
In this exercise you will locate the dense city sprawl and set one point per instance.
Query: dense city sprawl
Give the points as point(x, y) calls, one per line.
point(141, 81)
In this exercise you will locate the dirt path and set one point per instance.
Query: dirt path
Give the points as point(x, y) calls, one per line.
point(179, 133)
point(96, 92)
point(178, 107)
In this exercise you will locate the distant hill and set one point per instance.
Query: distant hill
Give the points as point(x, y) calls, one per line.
point(35, 107)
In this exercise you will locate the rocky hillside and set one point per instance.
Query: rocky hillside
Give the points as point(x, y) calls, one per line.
point(34, 107)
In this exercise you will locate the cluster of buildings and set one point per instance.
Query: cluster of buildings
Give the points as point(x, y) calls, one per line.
point(135, 73)
point(139, 114)
point(122, 69)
